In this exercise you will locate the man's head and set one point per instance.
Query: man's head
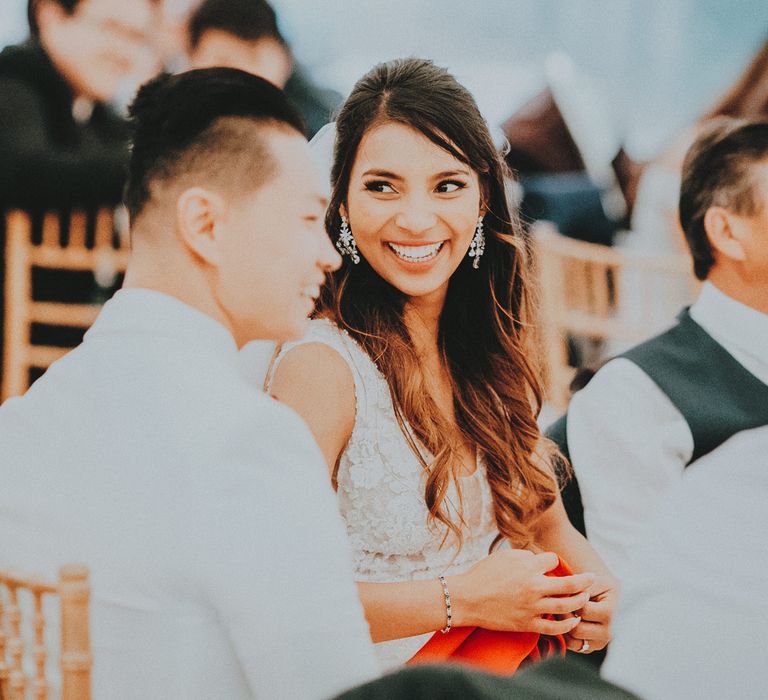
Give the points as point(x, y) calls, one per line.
point(98, 45)
point(724, 201)
point(225, 204)
point(239, 34)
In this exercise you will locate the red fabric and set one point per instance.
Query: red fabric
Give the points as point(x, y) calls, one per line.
point(489, 650)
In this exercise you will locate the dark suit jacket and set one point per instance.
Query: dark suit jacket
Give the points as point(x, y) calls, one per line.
point(555, 679)
point(49, 160)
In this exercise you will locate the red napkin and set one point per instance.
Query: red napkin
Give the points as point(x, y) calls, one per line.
point(489, 650)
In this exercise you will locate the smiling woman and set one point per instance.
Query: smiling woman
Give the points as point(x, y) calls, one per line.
point(414, 219)
point(419, 383)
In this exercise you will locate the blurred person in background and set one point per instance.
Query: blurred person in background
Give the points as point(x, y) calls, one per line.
point(649, 414)
point(62, 143)
point(244, 34)
point(63, 140)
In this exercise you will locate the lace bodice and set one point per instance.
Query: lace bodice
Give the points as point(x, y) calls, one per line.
point(381, 493)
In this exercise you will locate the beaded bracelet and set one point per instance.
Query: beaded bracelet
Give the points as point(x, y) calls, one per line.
point(447, 596)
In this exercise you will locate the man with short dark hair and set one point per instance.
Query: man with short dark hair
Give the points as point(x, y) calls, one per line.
point(220, 566)
point(245, 34)
point(659, 407)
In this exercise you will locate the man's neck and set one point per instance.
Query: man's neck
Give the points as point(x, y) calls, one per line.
point(731, 283)
point(186, 286)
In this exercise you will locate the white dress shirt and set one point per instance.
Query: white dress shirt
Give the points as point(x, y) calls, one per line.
point(220, 566)
point(693, 617)
point(629, 444)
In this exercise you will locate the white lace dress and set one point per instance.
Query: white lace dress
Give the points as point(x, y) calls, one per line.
point(381, 494)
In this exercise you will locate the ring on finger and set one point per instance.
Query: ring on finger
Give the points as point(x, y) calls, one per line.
point(584, 646)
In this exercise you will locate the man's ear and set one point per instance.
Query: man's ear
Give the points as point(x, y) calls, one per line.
point(726, 232)
point(49, 14)
point(198, 214)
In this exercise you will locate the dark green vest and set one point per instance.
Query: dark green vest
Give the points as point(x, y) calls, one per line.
point(715, 394)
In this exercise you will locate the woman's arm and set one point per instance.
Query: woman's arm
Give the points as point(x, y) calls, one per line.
point(507, 590)
point(316, 382)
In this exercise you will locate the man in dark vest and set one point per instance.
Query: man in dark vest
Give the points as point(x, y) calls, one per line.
point(650, 413)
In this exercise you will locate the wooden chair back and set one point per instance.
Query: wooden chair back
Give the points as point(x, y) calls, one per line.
point(85, 243)
point(583, 295)
point(73, 590)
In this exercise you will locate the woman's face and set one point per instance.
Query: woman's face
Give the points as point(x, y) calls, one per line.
point(412, 208)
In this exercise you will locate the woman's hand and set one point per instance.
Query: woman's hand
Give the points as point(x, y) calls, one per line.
point(509, 590)
point(596, 616)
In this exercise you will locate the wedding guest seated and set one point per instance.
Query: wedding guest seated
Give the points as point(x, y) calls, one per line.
point(417, 381)
point(62, 144)
point(652, 412)
point(219, 563)
point(244, 34)
point(693, 621)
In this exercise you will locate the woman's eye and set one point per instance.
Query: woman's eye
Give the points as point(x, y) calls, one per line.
point(450, 186)
point(379, 186)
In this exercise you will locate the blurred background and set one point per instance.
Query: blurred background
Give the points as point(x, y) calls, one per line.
point(656, 63)
point(593, 102)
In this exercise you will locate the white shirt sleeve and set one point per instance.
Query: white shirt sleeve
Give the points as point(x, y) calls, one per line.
point(693, 616)
point(276, 566)
point(628, 445)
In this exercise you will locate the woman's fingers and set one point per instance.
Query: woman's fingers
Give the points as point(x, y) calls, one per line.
point(545, 561)
point(567, 585)
point(554, 627)
point(563, 605)
point(597, 636)
point(597, 611)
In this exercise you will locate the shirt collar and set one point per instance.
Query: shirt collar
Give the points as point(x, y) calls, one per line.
point(146, 311)
point(730, 322)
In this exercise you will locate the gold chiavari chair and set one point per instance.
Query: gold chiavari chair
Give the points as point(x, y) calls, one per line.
point(584, 295)
point(73, 591)
point(71, 252)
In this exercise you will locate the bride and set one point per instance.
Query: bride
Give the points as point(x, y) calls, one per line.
point(417, 381)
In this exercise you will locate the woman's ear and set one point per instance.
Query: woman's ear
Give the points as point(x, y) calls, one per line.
point(726, 232)
point(199, 213)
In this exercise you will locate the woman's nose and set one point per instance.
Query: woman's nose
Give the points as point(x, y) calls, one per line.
point(416, 216)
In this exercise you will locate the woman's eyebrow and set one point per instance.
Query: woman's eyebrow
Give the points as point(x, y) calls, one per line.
point(452, 173)
point(382, 173)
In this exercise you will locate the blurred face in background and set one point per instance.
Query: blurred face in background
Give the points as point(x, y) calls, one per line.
point(103, 45)
point(265, 57)
point(412, 208)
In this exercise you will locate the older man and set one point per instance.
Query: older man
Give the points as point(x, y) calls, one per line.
point(660, 407)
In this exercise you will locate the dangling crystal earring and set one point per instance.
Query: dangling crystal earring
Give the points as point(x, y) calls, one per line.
point(346, 241)
point(477, 247)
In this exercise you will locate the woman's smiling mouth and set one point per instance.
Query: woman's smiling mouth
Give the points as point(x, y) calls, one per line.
point(416, 253)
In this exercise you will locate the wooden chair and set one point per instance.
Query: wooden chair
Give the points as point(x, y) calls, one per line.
point(584, 295)
point(89, 243)
point(73, 590)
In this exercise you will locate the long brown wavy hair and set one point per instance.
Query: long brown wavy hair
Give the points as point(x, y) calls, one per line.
point(484, 335)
